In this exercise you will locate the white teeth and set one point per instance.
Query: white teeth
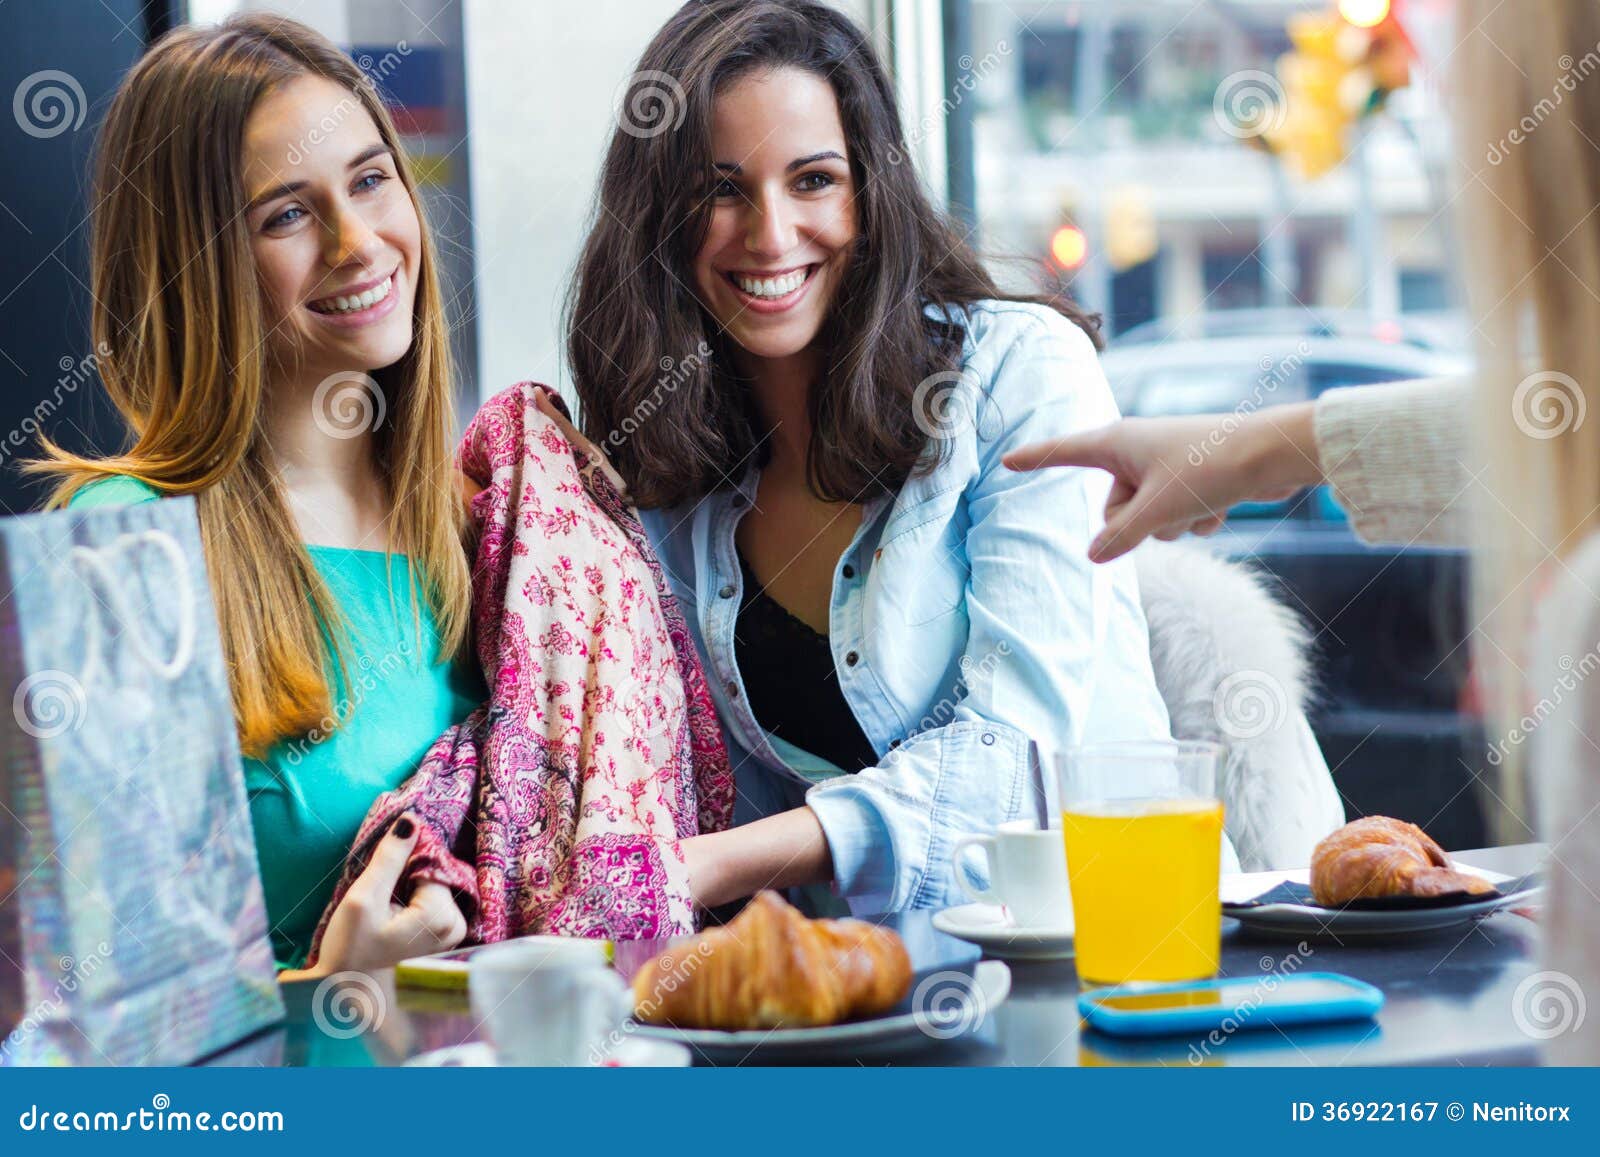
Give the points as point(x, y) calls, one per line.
point(771, 286)
point(349, 304)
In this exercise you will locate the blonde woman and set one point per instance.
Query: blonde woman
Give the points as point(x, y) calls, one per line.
point(1506, 461)
point(261, 279)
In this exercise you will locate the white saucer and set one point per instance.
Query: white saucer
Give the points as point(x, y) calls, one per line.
point(990, 928)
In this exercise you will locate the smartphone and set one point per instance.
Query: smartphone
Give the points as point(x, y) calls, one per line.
point(1230, 1003)
point(448, 969)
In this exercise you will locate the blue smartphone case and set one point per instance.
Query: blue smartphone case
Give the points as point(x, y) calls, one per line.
point(1259, 1006)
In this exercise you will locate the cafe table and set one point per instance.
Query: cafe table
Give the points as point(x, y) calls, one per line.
point(1451, 998)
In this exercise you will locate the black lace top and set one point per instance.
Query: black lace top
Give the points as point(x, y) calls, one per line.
point(789, 675)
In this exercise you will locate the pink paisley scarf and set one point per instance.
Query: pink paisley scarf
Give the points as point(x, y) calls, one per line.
point(557, 807)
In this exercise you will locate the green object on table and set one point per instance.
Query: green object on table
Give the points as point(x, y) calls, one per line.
point(307, 799)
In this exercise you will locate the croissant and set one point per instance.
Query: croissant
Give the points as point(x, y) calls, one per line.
point(1378, 856)
point(769, 967)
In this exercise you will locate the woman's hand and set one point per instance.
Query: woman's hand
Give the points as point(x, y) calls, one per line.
point(1172, 475)
point(369, 931)
point(579, 442)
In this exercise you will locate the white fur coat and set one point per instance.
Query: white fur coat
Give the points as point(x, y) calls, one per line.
point(1232, 664)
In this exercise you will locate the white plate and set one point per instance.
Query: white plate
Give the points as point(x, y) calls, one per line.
point(1358, 923)
point(988, 926)
point(943, 1005)
point(631, 1053)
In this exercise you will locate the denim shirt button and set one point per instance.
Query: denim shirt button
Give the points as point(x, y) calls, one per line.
point(727, 592)
point(988, 739)
point(851, 659)
point(733, 689)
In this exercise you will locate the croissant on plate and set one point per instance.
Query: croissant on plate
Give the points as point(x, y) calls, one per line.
point(1378, 856)
point(770, 966)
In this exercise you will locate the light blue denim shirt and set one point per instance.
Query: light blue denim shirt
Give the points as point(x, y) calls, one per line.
point(966, 620)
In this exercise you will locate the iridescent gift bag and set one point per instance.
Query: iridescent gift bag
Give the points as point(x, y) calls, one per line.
point(132, 924)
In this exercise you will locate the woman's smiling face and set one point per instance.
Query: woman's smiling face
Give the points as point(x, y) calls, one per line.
point(783, 211)
point(334, 231)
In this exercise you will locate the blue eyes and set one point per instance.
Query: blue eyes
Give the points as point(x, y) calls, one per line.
point(293, 213)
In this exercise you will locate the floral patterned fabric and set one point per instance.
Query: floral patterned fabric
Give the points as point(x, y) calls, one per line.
point(557, 807)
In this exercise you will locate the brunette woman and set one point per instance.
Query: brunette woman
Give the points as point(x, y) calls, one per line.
point(893, 623)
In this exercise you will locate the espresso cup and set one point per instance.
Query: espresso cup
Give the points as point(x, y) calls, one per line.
point(546, 1002)
point(1027, 869)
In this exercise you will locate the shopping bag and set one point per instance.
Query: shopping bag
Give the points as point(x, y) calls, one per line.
point(132, 924)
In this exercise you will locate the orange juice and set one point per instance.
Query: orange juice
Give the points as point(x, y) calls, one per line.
point(1144, 879)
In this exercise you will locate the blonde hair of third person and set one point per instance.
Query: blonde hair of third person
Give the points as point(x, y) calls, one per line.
point(1533, 278)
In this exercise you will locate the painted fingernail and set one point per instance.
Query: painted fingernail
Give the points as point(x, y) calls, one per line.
point(403, 827)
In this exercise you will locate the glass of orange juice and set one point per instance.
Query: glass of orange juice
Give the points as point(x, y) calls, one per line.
point(1143, 829)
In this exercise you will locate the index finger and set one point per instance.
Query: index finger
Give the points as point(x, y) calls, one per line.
point(1086, 449)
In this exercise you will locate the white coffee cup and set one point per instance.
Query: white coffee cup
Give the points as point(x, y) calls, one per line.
point(545, 1001)
point(1027, 874)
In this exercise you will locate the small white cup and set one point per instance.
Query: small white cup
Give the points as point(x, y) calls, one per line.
point(546, 1002)
point(1027, 874)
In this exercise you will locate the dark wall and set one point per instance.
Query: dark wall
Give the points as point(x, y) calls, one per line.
point(60, 61)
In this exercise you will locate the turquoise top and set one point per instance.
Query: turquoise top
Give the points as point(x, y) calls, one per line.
point(309, 795)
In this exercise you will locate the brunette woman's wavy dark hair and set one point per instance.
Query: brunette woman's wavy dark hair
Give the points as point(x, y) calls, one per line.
point(677, 436)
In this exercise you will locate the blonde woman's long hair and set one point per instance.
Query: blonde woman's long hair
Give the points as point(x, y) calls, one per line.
point(178, 306)
point(1528, 154)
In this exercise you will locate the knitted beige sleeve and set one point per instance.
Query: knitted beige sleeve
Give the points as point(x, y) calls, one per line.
point(1396, 456)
